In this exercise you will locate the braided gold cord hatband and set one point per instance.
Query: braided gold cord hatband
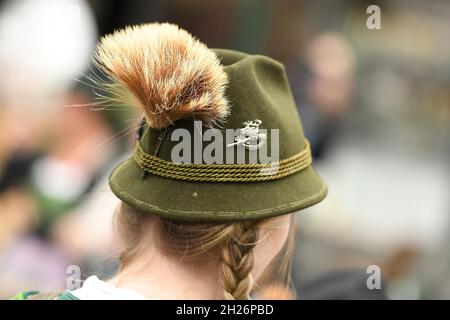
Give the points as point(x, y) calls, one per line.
point(252, 172)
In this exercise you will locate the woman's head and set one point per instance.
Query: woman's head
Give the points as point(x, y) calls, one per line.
point(239, 252)
point(210, 120)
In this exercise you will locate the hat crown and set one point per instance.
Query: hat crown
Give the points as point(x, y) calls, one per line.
point(257, 90)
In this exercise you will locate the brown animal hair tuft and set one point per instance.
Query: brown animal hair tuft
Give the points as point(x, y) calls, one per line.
point(166, 73)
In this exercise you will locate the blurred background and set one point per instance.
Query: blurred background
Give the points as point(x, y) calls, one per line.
point(374, 104)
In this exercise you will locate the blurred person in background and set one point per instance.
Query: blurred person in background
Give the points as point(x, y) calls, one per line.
point(328, 87)
point(44, 44)
point(75, 155)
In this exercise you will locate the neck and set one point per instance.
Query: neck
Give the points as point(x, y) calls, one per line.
point(157, 276)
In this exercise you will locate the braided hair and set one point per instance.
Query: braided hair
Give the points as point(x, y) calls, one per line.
point(231, 244)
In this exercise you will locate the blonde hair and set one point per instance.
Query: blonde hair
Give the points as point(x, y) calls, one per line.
point(232, 244)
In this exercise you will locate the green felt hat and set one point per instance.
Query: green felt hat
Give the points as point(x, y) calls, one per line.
point(257, 96)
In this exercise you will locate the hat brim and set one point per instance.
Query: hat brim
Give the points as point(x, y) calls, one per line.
point(215, 202)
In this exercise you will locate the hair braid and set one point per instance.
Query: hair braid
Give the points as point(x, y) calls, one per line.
point(229, 246)
point(237, 262)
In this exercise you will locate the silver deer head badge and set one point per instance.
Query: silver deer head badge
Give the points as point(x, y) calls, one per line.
point(249, 136)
